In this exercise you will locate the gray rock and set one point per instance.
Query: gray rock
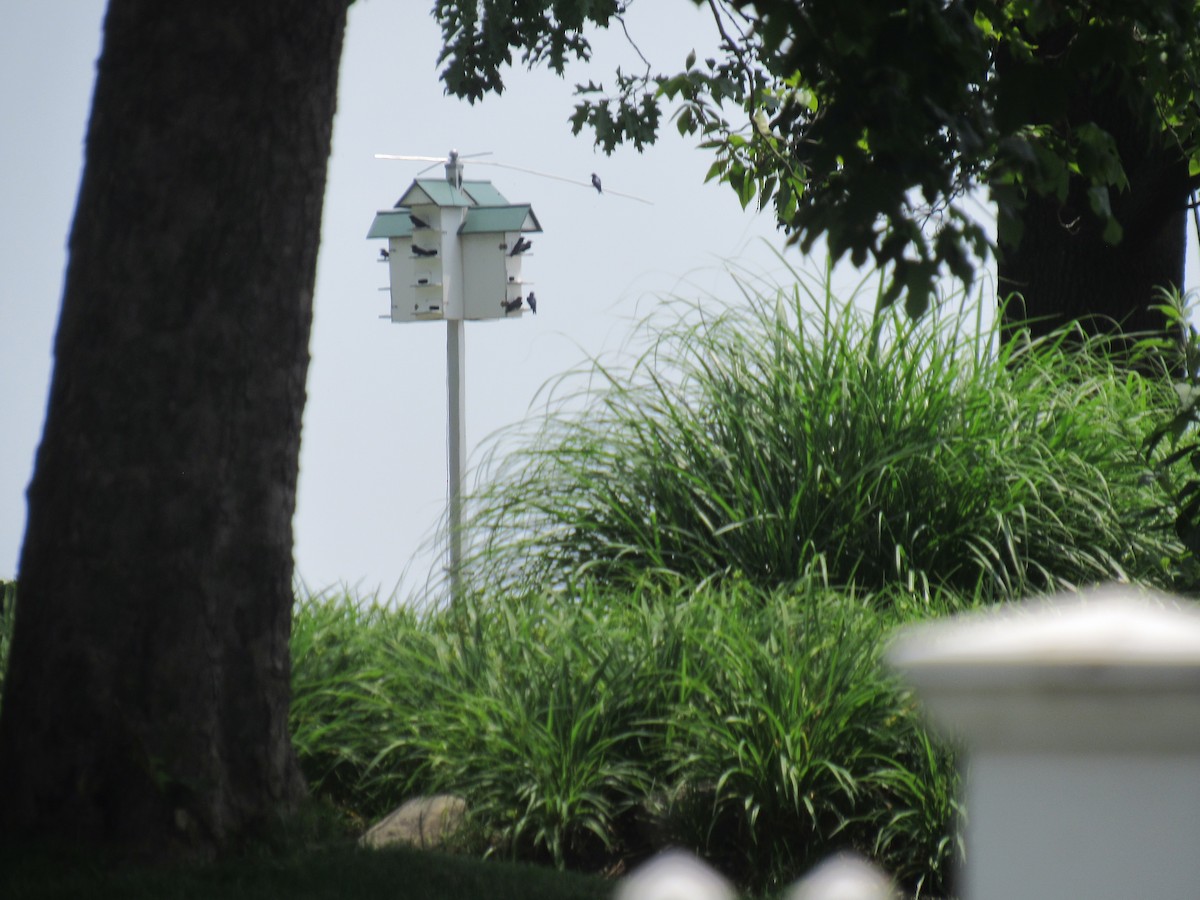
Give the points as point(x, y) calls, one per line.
point(424, 822)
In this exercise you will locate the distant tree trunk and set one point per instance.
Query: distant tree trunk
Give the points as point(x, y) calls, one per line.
point(1063, 269)
point(146, 703)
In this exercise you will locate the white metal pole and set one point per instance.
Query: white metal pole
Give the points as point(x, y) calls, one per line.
point(456, 444)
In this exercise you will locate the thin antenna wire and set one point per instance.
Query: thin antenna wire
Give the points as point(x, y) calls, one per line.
point(586, 184)
point(481, 162)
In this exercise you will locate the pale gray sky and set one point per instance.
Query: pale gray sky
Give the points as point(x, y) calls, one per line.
point(373, 462)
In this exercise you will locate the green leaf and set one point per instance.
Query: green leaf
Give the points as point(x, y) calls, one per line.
point(1098, 199)
point(683, 121)
point(1097, 155)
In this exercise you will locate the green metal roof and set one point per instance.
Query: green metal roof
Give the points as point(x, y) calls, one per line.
point(484, 193)
point(489, 219)
point(439, 192)
point(390, 223)
point(487, 209)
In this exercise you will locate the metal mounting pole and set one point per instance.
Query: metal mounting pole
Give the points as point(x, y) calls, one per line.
point(456, 445)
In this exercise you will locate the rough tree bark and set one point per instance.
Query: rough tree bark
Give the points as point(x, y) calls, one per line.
point(146, 702)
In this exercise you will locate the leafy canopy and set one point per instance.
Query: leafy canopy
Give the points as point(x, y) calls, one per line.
point(868, 122)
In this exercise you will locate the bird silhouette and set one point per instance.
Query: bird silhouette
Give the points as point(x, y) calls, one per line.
point(383, 254)
point(532, 301)
point(596, 183)
point(520, 247)
point(417, 221)
point(511, 305)
point(421, 251)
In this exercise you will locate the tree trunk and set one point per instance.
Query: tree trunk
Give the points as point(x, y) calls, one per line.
point(1063, 270)
point(146, 702)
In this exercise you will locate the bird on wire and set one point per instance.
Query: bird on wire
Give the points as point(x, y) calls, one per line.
point(596, 183)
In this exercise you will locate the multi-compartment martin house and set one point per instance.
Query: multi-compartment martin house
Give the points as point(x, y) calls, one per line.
point(455, 250)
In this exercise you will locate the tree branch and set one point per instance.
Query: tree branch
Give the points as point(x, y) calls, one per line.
point(633, 44)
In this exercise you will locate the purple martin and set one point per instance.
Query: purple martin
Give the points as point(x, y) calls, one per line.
point(421, 251)
point(511, 305)
point(532, 301)
point(417, 221)
point(596, 183)
point(383, 254)
point(520, 246)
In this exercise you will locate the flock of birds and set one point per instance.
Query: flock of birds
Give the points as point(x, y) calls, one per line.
point(510, 306)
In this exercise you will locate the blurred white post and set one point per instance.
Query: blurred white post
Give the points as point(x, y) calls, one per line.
point(843, 877)
point(678, 875)
point(456, 427)
point(674, 875)
point(1080, 719)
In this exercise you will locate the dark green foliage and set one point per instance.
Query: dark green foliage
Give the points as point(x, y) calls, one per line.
point(867, 123)
point(479, 40)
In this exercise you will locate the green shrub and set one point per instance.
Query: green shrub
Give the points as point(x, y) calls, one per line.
point(784, 740)
point(780, 437)
point(589, 727)
point(536, 715)
point(353, 699)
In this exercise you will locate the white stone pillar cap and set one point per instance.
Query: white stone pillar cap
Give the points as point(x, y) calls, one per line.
point(1116, 667)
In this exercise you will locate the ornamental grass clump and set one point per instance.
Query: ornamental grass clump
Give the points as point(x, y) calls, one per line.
point(789, 433)
point(783, 740)
point(536, 713)
point(589, 728)
point(352, 699)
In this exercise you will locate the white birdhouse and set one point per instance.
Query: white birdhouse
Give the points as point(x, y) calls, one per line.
point(454, 250)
